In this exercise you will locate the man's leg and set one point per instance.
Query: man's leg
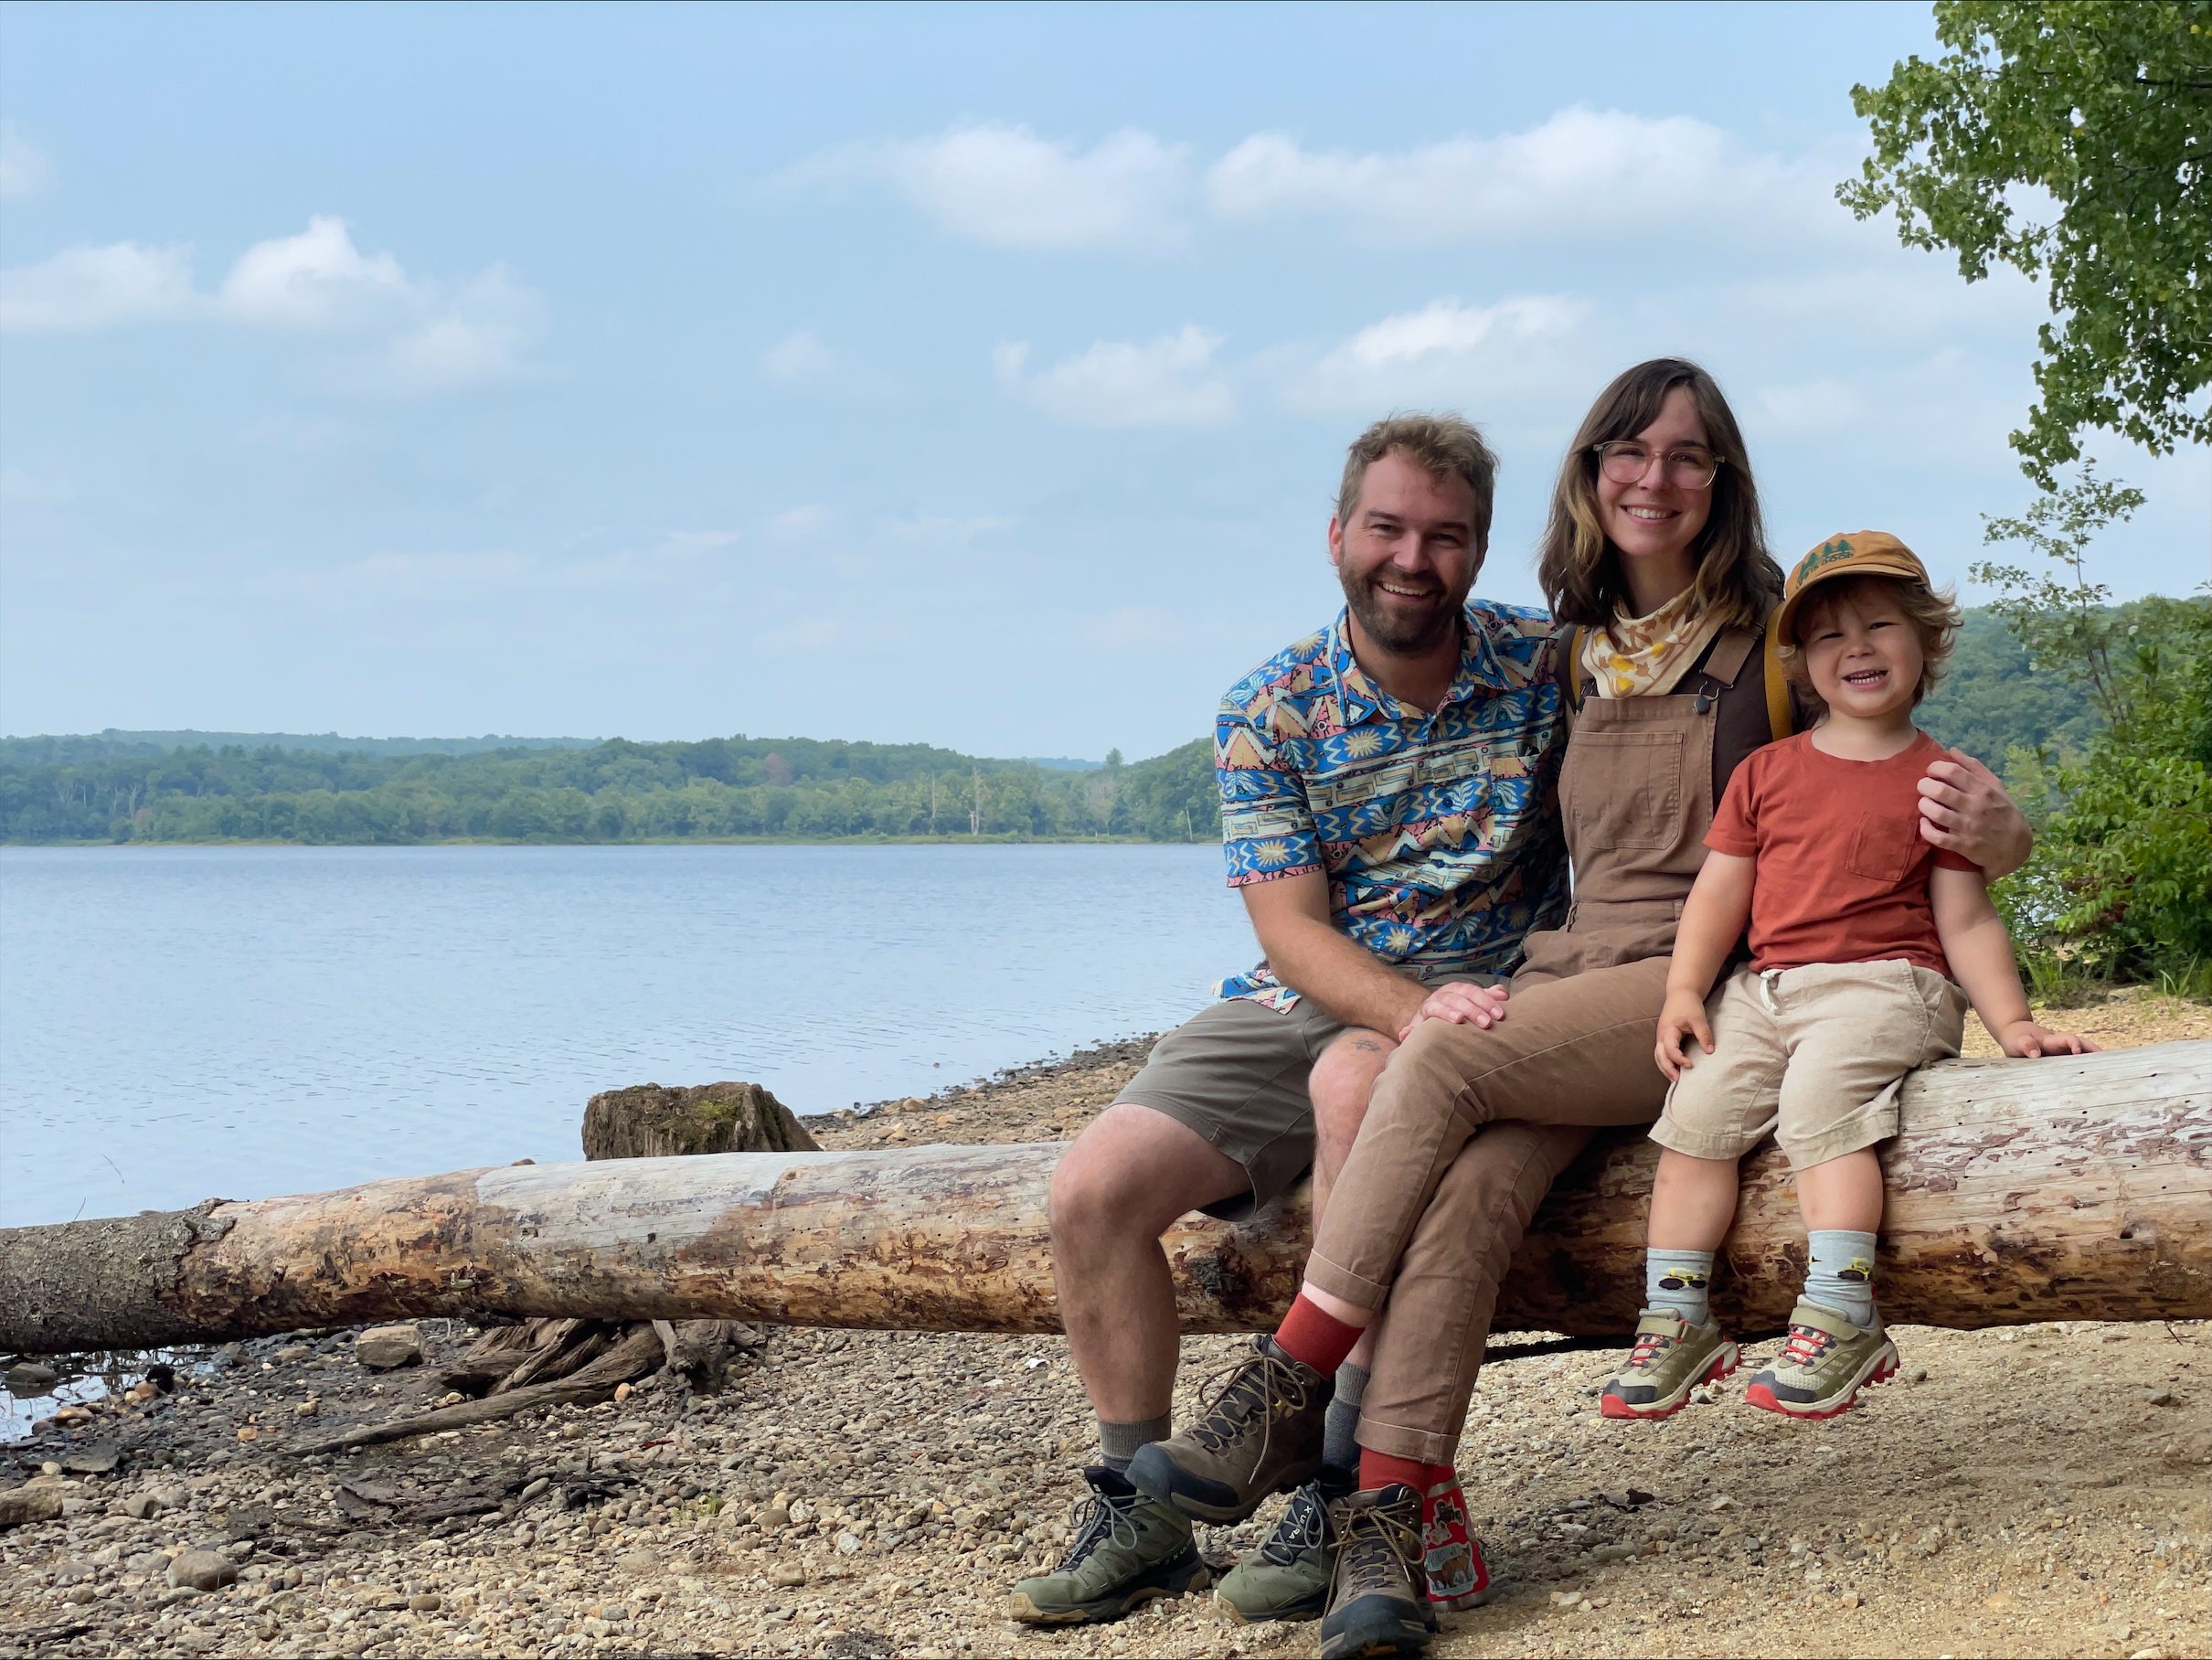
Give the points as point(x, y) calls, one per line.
point(1130, 1175)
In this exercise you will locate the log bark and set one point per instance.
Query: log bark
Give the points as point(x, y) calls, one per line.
point(2077, 1188)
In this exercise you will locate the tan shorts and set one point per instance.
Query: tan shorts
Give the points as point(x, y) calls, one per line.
point(1236, 1073)
point(1814, 1055)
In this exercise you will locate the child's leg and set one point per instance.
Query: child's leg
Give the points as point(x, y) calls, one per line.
point(1693, 1202)
point(1842, 1201)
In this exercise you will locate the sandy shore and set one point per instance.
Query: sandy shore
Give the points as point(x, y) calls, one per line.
point(2040, 1491)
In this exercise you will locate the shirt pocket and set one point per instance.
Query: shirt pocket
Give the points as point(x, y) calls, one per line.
point(1621, 789)
point(1885, 847)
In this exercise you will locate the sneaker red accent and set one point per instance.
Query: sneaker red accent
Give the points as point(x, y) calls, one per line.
point(1758, 1395)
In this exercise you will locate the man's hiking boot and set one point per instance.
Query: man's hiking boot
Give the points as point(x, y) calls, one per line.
point(1128, 1551)
point(1823, 1365)
point(1259, 1432)
point(1378, 1603)
point(1669, 1358)
point(1451, 1557)
point(1287, 1577)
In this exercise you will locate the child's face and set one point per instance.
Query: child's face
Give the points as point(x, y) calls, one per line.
point(1862, 652)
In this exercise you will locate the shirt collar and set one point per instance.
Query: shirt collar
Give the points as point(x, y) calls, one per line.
point(1479, 674)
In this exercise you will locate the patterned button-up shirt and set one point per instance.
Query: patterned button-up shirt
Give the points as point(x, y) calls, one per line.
point(1439, 831)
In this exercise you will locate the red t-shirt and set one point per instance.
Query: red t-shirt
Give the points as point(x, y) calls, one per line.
point(1841, 873)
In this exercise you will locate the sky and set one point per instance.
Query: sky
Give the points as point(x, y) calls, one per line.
point(978, 377)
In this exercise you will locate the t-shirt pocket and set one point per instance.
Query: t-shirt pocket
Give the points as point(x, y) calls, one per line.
point(1621, 788)
point(1885, 847)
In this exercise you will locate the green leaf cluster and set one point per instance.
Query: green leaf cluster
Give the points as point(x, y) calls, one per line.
point(2068, 139)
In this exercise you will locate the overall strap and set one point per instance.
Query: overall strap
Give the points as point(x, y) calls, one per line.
point(1728, 656)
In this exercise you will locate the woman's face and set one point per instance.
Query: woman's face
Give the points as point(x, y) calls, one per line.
point(1654, 518)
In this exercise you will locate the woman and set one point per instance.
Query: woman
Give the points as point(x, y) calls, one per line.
point(1656, 565)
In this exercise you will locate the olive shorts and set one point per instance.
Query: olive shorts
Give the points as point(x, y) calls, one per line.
point(1814, 1055)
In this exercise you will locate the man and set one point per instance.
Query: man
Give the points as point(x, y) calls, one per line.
point(1389, 816)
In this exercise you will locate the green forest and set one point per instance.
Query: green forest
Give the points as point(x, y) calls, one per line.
point(198, 787)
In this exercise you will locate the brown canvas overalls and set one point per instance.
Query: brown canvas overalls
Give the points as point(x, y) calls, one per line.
point(1469, 1127)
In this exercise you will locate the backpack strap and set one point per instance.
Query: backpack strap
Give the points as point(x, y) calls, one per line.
point(1568, 671)
point(1779, 723)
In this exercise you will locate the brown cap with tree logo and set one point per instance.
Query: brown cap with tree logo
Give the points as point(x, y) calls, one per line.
point(1859, 553)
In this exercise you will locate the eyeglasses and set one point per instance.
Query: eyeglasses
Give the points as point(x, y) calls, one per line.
point(1626, 462)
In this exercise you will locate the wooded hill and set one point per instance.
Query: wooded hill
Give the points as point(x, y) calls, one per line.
point(188, 787)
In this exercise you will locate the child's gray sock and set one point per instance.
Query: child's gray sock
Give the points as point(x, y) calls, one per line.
point(1678, 1281)
point(1841, 1274)
point(1118, 1442)
point(1339, 1429)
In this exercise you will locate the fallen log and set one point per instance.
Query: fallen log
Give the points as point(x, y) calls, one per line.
point(2077, 1188)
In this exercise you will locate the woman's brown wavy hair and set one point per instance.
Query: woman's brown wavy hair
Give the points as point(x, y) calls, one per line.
point(1580, 570)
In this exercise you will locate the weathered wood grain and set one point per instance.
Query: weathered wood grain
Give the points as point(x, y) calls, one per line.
point(2073, 1188)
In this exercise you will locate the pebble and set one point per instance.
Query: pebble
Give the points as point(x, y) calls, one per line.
point(387, 1348)
point(203, 1570)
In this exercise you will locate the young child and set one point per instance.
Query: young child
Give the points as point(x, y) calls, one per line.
point(1858, 929)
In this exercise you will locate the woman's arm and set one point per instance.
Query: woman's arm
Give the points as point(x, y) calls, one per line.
point(1965, 808)
point(1980, 956)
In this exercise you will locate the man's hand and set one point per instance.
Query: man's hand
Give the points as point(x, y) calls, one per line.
point(1682, 1016)
point(1462, 1005)
point(2023, 1039)
point(1965, 808)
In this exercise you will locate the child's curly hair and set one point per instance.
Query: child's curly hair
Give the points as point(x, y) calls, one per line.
point(1932, 612)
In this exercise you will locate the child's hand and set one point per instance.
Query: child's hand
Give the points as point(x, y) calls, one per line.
point(2024, 1038)
point(1682, 1016)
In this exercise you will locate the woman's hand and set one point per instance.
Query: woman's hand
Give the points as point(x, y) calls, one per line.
point(2023, 1039)
point(1964, 808)
point(1463, 1004)
point(1682, 1016)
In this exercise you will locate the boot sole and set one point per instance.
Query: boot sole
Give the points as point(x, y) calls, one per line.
point(1157, 1477)
point(1376, 1636)
point(1881, 1369)
point(1725, 1361)
point(1105, 1610)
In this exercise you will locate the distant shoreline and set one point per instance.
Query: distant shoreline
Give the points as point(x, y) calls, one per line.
point(995, 840)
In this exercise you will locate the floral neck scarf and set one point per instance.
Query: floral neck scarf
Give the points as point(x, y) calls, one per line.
point(1635, 655)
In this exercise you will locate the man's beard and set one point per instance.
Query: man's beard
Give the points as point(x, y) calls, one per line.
point(1402, 632)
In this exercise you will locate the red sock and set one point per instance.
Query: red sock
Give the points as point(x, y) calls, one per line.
point(1380, 1469)
point(1315, 1339)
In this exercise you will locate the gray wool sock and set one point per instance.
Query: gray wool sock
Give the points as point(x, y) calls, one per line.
point(1841, 1273)
point(1118, 1442)
point(1678, 1281)
point(1339, 1429)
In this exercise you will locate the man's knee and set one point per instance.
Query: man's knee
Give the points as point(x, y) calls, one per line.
point(1131, 1174)
point(1341, 1085)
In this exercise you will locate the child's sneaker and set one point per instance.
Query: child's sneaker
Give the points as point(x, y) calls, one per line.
point(1825, 1364)
point(1671, 1357)
point(1459, 1579)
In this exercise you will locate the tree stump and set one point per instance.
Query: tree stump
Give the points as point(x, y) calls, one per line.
point(645, 1121)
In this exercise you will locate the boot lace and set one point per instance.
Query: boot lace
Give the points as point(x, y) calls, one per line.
point(1805, 1346)
point(1305, 1527)
point(1375, 1552)
point(1096, 1519)
point(1649, 1348)
point(1262, 1387)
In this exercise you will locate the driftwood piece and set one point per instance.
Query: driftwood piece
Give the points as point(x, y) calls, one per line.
point(634, 1357)
point(2076, 1187)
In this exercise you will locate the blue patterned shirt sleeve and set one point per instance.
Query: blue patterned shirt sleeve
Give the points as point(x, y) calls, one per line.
point(1267, 823)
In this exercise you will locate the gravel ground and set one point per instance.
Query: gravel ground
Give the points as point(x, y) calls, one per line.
point(2045, 1490)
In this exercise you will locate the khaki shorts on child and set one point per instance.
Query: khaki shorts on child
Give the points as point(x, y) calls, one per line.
point(1813, 1054)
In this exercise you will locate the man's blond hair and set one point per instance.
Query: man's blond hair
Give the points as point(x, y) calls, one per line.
point(1446, 445)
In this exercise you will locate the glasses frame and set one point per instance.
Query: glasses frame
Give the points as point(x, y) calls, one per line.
point(1603, 454)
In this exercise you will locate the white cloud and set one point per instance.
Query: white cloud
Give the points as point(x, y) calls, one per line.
point(800, 523)
point(81, 289)
point(804, 362)
point(316, 280)
point(1472, 356)
point(24, 171)
point(1581, 174)
point(482, 333)
point(1167, 382)
point(1003, 185)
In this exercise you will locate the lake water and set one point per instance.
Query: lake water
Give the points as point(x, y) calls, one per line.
point(183, 1023)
